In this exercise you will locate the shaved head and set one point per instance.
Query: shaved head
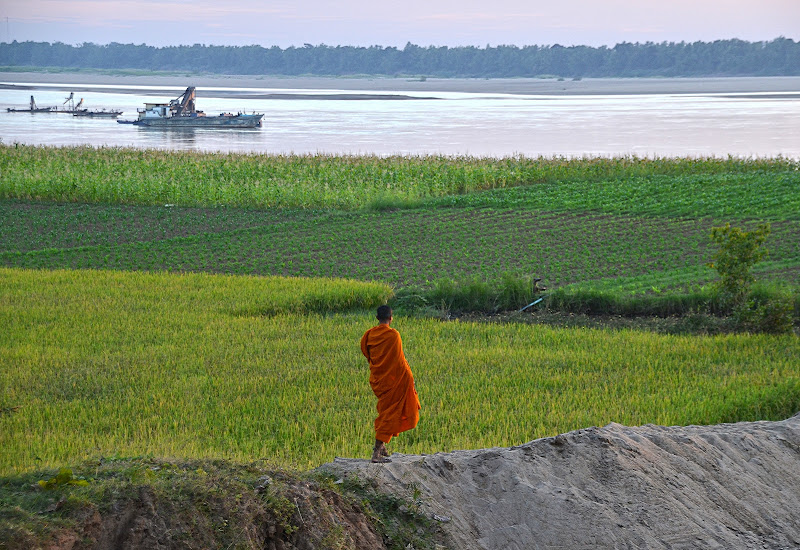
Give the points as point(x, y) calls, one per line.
point(384, 313)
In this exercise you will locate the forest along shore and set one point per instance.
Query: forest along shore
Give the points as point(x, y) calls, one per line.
point(523, 86)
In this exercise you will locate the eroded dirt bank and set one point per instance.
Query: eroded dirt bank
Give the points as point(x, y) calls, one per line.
point(732, 486)
point(724, 486)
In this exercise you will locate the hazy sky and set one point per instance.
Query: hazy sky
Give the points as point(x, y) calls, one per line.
point(370, 22)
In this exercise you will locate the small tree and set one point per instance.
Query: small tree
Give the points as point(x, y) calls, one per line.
point(738, 252)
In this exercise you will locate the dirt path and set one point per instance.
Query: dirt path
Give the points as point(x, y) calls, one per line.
point(725, 486)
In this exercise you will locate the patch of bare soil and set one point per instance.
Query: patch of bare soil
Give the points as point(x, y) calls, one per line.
point(725, 486)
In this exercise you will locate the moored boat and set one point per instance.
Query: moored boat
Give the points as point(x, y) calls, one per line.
point(182, 113)
point(32, 109)
point(96, 113)
point(77, 109)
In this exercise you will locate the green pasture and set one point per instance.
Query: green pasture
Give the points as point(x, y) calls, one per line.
point(105, 363)
point(764, 193)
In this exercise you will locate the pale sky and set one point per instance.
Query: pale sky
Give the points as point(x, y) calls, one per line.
point(372, 22)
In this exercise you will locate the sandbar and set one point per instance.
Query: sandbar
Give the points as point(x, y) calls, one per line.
point(521, 86)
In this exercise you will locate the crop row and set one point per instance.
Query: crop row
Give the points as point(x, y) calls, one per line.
point(128, 364)
point(130, 176)
point(406, 247)
point(754, 195)
point(28, 225)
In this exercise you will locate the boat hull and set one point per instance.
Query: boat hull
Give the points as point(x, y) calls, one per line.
point(222, 121)
point(42, 110)
point(98, 114)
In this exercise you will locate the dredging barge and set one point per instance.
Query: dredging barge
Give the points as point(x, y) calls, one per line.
point(182, 113)
point(32, 109)
point(76, 110)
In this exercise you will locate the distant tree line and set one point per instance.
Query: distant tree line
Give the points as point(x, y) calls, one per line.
point(778, 57)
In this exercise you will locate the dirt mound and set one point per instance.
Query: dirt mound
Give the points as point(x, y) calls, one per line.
point(723, 486)
point(210, 509)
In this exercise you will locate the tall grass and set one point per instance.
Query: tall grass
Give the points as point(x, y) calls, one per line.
point(127, 364)
point(130, 176)
point(507, 292)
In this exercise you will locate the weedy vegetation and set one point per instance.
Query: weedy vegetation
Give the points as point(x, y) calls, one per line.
point(130, 176)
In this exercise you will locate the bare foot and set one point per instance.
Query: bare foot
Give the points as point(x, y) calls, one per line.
point(379, 454)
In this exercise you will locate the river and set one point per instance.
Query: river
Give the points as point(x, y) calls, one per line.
point(384, 121)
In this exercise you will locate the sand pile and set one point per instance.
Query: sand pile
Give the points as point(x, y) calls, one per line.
point(724, 486)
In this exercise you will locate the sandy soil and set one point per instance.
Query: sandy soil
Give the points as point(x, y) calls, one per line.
point(726, 486)
point(530, 86)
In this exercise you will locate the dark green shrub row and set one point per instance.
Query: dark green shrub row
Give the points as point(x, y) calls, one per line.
point(768, 308)
point(448, 296)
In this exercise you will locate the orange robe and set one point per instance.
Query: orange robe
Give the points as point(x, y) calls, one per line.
point(392, 382)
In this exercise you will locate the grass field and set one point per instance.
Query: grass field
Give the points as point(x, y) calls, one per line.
point(129, 176)
point(109, 354)
point(404, 247)
point(129, 364)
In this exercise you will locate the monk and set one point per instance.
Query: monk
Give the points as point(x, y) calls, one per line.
point(392, 382)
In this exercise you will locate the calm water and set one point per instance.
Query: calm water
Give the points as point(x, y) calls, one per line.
point(453, 124)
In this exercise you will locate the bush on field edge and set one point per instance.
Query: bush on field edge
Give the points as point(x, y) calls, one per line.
point(768, 308)
point(448, 296)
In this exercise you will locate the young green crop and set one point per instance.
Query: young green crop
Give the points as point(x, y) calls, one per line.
point(765, 194)
point(97, 363)
point(404, 248)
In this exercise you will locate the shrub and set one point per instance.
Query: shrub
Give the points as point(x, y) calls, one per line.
point(772, 313)
point(509, 293)
point(609, 302)
point(738, 252)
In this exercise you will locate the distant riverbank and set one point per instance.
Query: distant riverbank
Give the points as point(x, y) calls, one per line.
point(522, 86)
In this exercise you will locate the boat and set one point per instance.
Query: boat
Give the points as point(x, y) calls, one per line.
point(76, 110)
point(182, 113)
point(97, 113)
point(32, 109)
point(71, 108)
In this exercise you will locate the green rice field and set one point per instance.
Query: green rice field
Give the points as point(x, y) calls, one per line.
point(411, 221)
point(103, 363)
point(203, 305)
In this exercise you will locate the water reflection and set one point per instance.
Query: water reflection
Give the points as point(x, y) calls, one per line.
point(167, 138)
point(205, 139)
